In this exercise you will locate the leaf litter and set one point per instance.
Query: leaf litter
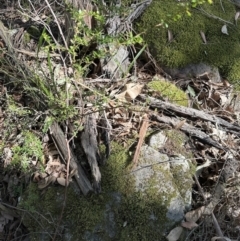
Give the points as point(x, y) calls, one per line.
point(128, 116)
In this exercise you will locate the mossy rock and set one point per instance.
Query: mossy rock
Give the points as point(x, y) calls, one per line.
point(118, 213)
point(169, 91)
point(187, 47)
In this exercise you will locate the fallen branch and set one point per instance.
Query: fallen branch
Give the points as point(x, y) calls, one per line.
point(142, 134)
point(190, 113)
point(191, 130)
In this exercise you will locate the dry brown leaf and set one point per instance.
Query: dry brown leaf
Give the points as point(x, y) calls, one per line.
point(130, 92)
point(43, 175)
point(124, 133)
point(119, 111)
point(55, 163)
point(55, 174)
point(175, 234)
point(117, 117)
point(36, 177)
point(216, 96)
point(179, 124)
point(125, 124)
point(112, 104)
point(189, 225)
point(194, 215)
point(72, 173)
point(62, 175)
point(62, 181)
point(53, 153)
point(46, 182)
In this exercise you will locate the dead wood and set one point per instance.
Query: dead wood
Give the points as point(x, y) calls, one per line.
point(80, 176)
point(118, 24)
point(190, 113)
point(104, 131)
point(90, 147)
point(142, 135)
point(191, 130)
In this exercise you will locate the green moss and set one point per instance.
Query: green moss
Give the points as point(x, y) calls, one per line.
point(80, 213)
point(182, 179)
point(187, 46)
point(164, 197)
point(137, 216)
point(144, 218)
point(135, 208)
point(234, 74)
point(169, 91)
point(175, 143)
point(22, 154)
point(114, 173)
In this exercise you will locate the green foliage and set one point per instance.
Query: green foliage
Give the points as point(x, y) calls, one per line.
point(187, 46)
point(86, 46)
point(23, 154)
point(15, 110)
point(169, 91)
point(86, 39)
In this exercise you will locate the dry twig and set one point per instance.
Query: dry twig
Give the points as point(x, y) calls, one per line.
point(142, 134)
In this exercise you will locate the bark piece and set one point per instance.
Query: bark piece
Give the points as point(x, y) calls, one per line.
point(105, 131)
point(80, 176)
point(90, 147)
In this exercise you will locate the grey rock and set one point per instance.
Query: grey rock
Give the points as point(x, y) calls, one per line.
point(200, 70)
point(157, 141)
point(116, 65)
point(182, 174)
point(166, 182)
